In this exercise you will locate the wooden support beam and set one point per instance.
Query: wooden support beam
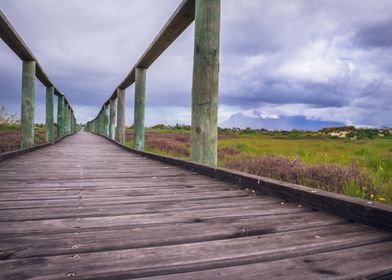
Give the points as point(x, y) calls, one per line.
point(49, 131)
point(28, 99)
point(204, 146)
point(120, 130)
point(60, 116)
point(140, 94)
point(105, 117)
point(112, 118)
point(174, 27)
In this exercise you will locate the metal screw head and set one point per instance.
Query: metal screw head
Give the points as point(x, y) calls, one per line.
point(76, 257)
point(71, 274)
point(74, 247)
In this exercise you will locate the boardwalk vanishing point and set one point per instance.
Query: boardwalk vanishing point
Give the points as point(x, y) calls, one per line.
point(84, 206)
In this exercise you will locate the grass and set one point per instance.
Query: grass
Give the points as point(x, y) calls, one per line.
point(356, 167)
point(10, 136)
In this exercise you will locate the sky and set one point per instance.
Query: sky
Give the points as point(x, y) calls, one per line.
point(327, 60)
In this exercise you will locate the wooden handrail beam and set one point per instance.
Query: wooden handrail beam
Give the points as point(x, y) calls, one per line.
point(174, 27)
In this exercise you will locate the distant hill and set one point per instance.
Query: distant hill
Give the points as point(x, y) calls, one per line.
point(281, 123)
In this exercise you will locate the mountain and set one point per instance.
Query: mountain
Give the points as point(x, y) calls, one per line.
point(280, 123)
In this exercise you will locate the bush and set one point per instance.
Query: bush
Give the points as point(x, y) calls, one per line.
point(328, 177)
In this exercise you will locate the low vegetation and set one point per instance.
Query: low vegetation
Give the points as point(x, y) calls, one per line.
point(358, 164)
point(10, 136)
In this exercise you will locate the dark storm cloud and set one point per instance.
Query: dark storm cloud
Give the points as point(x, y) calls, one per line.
point(375, 36)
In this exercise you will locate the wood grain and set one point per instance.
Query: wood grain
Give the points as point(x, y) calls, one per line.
point(87, 208)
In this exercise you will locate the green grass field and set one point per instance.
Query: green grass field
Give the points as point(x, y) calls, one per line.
point(326, 158)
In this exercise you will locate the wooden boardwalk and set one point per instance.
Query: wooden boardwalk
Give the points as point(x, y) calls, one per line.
point(87, 209)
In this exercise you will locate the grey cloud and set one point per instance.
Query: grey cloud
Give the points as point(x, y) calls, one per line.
point(375, 36)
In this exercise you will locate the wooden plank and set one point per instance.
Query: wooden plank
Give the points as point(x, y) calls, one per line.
point(131, 199)
point(162, 235)
point(143, 262)
point(367, 262)
point(113, 207)
point(137, 220)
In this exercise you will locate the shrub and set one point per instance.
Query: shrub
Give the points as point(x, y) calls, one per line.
point(327, 177)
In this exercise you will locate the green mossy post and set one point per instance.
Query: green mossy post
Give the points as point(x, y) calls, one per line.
point(66, 108)
point(120, 130)
point(69, 120)
point(49, 131)
point(140, 94)
point(28, 100)
point(73, 127)
point(204, 146)
point(101, 122)
point(112, 118)
point(60, 116)
point(106, 120)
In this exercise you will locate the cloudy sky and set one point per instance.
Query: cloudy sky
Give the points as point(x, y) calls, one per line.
point(326, 59)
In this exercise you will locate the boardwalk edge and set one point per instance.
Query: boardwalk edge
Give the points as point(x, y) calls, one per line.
point(354, 209)
point(12, 154)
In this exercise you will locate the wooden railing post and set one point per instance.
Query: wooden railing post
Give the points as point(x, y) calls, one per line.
point(140, 93)
point(105, 120)
point(73, 124)
point(101, 122)
point(69, 119)
point(120, 130)
point(204, 146)
point(28, 100)
point(66, 109)
point(49, 131)
point(112, 118)
point(60, 116)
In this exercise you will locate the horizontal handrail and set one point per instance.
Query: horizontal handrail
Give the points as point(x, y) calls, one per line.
point(175, 26)
point(31, 68)
point(9, 35)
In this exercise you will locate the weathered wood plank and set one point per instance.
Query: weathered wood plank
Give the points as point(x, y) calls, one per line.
point(161, 235)
point(352, 263)
point(134, 263)
point(134, 220)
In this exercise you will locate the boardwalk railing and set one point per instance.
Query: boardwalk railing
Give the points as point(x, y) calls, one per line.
point(206, 14)
point(66, 120)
